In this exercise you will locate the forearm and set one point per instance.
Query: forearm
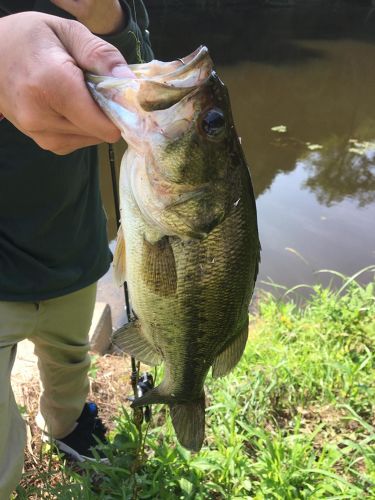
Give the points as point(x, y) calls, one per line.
point(122, 23)
point(133, 40)
point(101, 17)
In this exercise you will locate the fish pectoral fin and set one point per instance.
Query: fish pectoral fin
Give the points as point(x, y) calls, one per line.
point(159, 267)
point(129, 338)
point(231, 355)
point(119, 258)
point(189, 421)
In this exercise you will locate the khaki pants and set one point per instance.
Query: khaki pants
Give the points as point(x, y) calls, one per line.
point(59, 330)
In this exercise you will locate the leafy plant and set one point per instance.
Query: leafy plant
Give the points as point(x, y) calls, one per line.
point(294, 420)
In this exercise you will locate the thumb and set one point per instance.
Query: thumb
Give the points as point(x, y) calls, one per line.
point(90, 52)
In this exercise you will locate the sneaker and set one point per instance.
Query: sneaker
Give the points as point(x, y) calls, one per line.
point(88, 434)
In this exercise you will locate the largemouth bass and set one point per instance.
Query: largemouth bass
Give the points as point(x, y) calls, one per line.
point(188, 243)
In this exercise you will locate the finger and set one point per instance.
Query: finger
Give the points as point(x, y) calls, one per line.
point(73, 99)
point(61, 125)
point(90, 52)
point(63, 114)
point(67, 95)
point(62, 144)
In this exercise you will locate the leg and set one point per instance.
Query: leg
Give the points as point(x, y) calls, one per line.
point(17, 320)
point(13, 432)
point(61, 344)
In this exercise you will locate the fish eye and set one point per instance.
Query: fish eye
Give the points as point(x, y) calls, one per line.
point(213, 123)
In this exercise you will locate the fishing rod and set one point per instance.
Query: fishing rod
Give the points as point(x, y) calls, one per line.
point(145, 382)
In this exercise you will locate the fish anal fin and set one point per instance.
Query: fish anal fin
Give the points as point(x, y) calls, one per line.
point(119, 258)
point(189, 422)
point(159, 267)
point(129, 338)
point(231, 355)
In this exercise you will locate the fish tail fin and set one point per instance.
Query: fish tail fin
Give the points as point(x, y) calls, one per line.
point(188, 418)
point(189, 421)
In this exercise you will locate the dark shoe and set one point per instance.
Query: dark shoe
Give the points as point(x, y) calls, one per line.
point(87, 435)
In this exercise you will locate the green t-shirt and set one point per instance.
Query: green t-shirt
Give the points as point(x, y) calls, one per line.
point(53, 236)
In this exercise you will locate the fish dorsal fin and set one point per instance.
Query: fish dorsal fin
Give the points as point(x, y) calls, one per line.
point(231, 355)
point(159, 267)
point(189, 421)
point(130, 339)
point(119, 258)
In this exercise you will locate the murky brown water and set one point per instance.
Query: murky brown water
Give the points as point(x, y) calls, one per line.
point(312, 71)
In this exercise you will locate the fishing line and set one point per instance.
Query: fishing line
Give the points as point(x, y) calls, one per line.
point(140, 385)
point(112, 164)
point(111, 155)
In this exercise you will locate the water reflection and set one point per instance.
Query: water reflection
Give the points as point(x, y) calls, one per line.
point(327, 102)
point(343, 169)
point(340, 237)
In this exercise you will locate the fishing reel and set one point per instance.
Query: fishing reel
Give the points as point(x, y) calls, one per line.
point(144, 384)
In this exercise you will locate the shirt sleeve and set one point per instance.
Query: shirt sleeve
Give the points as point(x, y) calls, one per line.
point(134, 40)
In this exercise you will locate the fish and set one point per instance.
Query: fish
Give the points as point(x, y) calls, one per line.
point(188, 245)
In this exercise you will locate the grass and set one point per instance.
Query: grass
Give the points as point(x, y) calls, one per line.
point(295, 419)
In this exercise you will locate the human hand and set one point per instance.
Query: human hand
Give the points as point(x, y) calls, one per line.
point(42, 87)
point(102, 17)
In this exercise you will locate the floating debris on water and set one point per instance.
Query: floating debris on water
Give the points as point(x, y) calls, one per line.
point(313, 147)
point(362, 148)
point(279, 128)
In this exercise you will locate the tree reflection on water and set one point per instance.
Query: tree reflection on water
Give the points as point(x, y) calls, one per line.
point(342, 169)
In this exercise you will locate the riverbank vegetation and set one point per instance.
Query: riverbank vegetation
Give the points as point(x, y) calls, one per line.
point(295, 419)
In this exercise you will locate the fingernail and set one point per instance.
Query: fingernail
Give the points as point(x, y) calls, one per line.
point(122, 71)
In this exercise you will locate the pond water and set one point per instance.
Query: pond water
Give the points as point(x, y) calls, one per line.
point(309, 72)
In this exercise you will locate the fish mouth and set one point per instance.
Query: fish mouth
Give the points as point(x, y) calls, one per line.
point(158, 97)
point(184, 73)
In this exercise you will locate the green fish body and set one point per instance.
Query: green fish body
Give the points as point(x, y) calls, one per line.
point(188, 243)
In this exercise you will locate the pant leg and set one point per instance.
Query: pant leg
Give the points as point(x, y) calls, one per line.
point(61, 344)
point(12, 428)
point(16, 321)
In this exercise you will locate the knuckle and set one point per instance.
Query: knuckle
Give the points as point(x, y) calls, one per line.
point(97, 50)
point(37, 95)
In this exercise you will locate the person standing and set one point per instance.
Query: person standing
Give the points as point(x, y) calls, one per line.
point(53, 241)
